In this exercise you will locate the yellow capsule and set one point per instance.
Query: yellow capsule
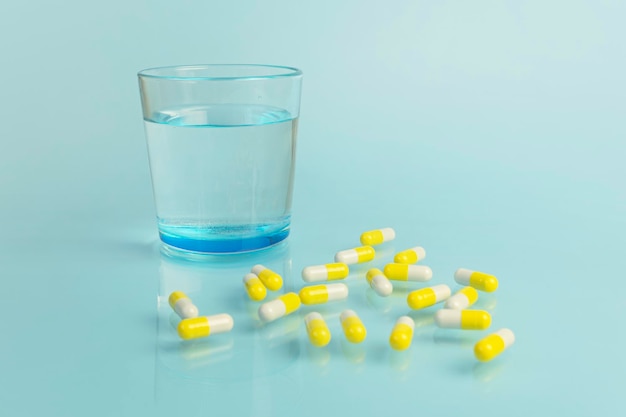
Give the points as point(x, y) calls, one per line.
point(376, 237)
point(328, 272)
point(405, 272)
point(478, 280)
point(410, 256)
point(198, 327)
point(491, 346)
point(463, 319)
point(464, 298)
point(402, 333)
point(320, 294)
point(319, 334)
point(182, 305)
point(355, 256)
point(352, 326)
point(254, 287)
point(427, 297)
point(282, 306)
point(269, 278)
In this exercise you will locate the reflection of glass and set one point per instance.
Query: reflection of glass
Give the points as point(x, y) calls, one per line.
point(251, 349)
point(221, 141)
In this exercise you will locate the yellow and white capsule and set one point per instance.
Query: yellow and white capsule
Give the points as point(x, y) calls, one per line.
point(197, 327)
point(355, 256)
point(427, 297)
point(320, 294)
point(254, 287)
point(410, 256)
point(402, 333)
point(376, 237)
point(379, 282)
point(182, 305)
point(478, 280)
point(280, 307)
point(352, 326)
point(406, 272)
point(328, 272)
point(317, 329)
point(269, 278)
point(464, 298)
point(491, 346)
point(463, 319)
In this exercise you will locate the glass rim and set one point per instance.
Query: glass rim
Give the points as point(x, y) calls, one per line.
point(154, 72)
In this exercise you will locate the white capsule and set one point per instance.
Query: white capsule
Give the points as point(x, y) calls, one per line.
point(254, 287)
point(379, 282)
point(353, 327)
point(402, 333)
point(491, 346)
point(427, 297)
point(326, 272)
point(198, 327)
point(185, 309)
point(478, 280)
point(355, 256)
point(320, 294)
point(406, 272)
point(269, 278)
point(317, 329)
point(463, 319)
point(462, 299)
point(182, 305)
point(507, 336)
point(282, 306)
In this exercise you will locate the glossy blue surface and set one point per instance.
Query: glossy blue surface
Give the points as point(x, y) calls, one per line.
point(490, 133)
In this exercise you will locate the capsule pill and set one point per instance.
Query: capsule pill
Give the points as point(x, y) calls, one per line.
point(402, 333)
point(478, 280)
point(410, 256)
point(280, 307)
point(328, 272)
point(427, 297)
point(269, 278)
point(355, 256)
point(198, 327)
point(378, 236)
point(254, 287)
point(352, 326)
point(320, 294)
point(182, 305)
point(379, 282)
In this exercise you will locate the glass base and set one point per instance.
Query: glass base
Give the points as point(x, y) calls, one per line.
point(203, 240)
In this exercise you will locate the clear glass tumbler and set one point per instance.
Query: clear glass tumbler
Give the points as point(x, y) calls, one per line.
point(221, 142)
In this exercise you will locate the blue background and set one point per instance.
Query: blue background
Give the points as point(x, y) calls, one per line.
point(489, 132)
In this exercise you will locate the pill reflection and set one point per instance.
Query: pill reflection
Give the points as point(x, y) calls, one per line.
point(203, 353)
point(354, 353)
